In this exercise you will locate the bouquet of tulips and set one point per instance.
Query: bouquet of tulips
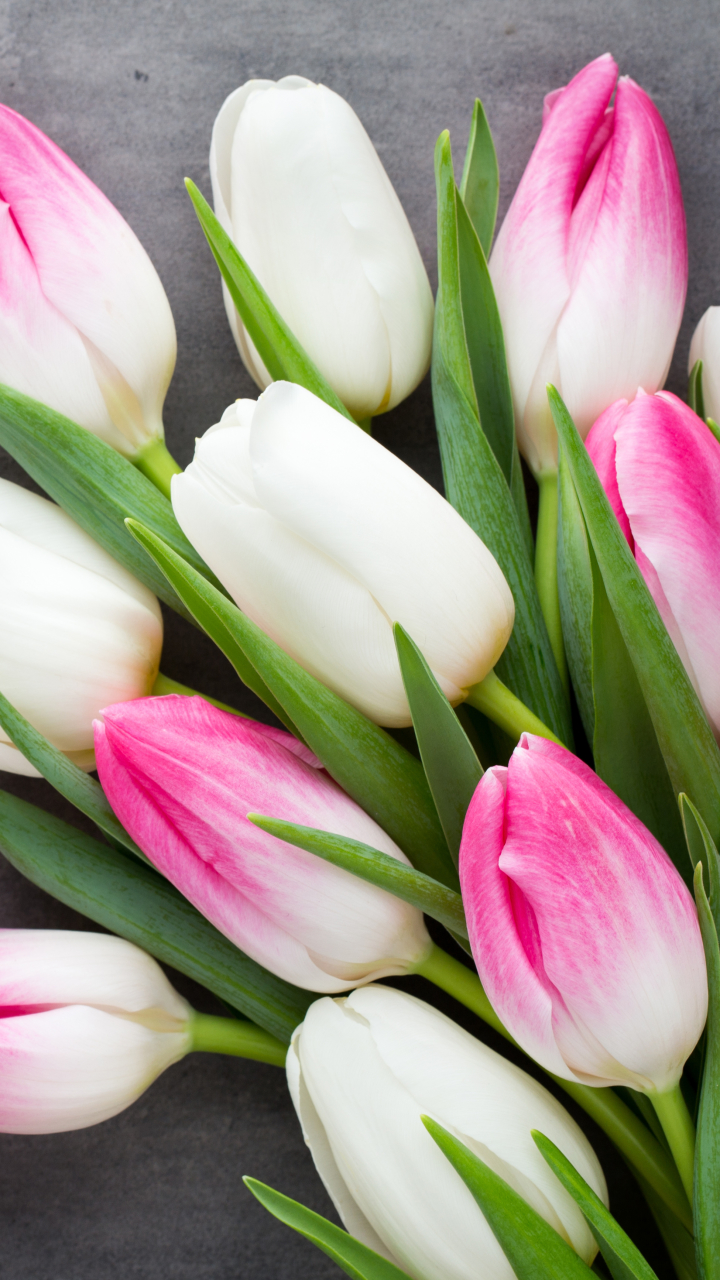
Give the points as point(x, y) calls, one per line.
point(491, 753)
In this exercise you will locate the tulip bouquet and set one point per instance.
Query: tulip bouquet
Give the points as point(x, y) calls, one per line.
point(491, 751)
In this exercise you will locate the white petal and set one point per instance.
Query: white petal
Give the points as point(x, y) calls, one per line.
point(705, 346)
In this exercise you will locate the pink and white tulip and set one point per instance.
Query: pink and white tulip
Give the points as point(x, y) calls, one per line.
point(85, 325)
point(585, 937)
point(590, 265)
point(182, 777)
point(660, 468)
point(87, 1022)
point(705, 346)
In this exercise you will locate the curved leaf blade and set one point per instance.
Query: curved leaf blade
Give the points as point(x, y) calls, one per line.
point(378, 868)
point(480, 184)
point(138, 904)
point(707, 1149)
point(353, 1257)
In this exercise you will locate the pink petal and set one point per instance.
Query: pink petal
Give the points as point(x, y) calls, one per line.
point(601, 447)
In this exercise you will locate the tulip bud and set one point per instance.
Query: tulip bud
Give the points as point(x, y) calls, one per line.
point(85, 325)
point(87, 1022)
point(705, 346)
point(584, 935)
point(300, 188)
point(77, 628)
point(660, 468)
point(325, 539)
point(590, 265)
point(363, 1070)
point(182, 777)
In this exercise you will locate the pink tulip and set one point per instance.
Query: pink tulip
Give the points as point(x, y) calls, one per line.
point(585, 937)
point(87, 1022)
point(660, 468)
point(182, 776)
point(85, 325)
point(590, 265)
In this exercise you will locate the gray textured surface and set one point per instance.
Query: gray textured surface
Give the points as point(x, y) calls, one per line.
point(130, 90)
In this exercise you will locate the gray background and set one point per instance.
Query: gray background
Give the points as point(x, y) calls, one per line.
point(130, 91)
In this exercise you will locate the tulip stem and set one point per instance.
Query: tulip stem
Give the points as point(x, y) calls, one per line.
point(157, 463)
point(639, 1146)
point(500, 705)
point(546, 572)
point(164, 685)
point(679, 1130)
point(239, 1038)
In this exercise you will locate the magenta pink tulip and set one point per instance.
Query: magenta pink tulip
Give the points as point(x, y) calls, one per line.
point(590, 265)
point(660, 468)
point(85, 325)
point(182, 776)
point(585, 936)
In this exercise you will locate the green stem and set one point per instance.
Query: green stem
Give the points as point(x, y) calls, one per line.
point(238, 1038)
point(158, 464)
point(546, 575)
point(164, 685)
point(626, 1130)
point(365, 424)
point(679, 1130)
point(500, 705)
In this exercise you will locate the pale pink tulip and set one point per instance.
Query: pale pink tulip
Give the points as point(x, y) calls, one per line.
point(87, 1022)
point(85, 325)
point(585, 936)
point(182, 776)
point(590, 265)
point(660, 467)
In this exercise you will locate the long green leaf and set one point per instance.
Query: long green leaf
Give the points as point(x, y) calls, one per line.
point(677, 1239)
point(95, 485)
point(623, 1258)
point(683, 733)
point(76, 786)
point(277, 346)
point(625, 747)
point(475, 483)
point(575, 587)
point(707, 1150)
point(355, 1259)
point(451, 765)
point(702, 848)
point(373, 865)
point(533, 1248)
point(480, 184)
point(135, 902)
point(371, 766)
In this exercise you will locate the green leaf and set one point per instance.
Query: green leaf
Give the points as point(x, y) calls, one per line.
point(95, 485)
point(575, 588)
point(475, 483)
point(683, 733)
point(677, 1239)
point(625, 747)
point(355, 1259)
point(702, 848)
point(75, 785)
point(138, 904)
point(373, 865)
point(480, 183)
point(707, 1150)
point(277, 346)
point(451, 765)
point(533, 1248)
point(623, 1258)
point(372, 767)
point(696, 399)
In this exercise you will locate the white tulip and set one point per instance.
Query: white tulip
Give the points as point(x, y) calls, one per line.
point(705, 346)
point(78, 631)
point(363, 1070)
point(301, 190)
point(325, 539)
point(88, 1023)
point(85, 325)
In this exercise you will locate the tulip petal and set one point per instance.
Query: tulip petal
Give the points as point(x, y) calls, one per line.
point(705, 346)
point(600, 445)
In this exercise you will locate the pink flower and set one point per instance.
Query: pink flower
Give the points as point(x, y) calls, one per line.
point(182, 776)
point(660, 468)
point(590, 265)
point(85, 325)
point(585, 937)
point(87, 1022)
